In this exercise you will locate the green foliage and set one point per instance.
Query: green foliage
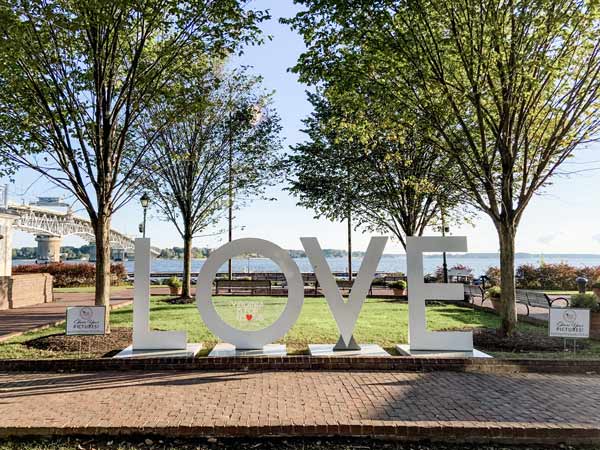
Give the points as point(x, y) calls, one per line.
point(222, 134)
point(72, 274)
point(587, 300)
point(68, 251)
point(560, 276)
point(177, 253)
point(77, 76)
point(508, 90)
point(493, 292)
point(385, 182)
point(173, 282)
point(400, 284)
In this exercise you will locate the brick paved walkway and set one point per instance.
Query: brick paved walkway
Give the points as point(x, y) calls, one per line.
point(439, 405)
point(19, 320)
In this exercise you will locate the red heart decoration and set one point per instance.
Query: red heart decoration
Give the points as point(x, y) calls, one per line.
point(248, 316)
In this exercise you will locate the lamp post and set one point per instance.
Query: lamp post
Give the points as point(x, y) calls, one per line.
point(145, 201)
point(444, 263)
point(237, 119)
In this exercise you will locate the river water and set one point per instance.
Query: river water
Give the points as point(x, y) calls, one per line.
point(389, 263)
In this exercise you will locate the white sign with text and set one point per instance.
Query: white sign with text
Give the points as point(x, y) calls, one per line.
point(569, 323)
point(85, 320)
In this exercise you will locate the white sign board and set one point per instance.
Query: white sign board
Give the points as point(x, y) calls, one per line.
point(85, 320)
point(569, 322)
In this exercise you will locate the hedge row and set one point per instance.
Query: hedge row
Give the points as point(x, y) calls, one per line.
point(548, 276)
point(73, 275)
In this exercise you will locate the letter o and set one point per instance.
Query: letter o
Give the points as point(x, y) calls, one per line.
point(214, 322)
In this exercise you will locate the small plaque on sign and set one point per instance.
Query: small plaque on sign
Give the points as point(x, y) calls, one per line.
point(569, 322)
point(85, 320)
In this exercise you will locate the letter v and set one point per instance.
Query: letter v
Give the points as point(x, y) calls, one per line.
point(345, 313)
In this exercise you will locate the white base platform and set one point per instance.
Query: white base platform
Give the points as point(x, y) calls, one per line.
point(365, 350)
point(223, 349)
point(189, 352)
point(405, 350)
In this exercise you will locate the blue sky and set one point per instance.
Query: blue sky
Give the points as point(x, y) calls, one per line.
point(565, 219)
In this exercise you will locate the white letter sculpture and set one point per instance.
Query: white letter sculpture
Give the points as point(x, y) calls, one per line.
point(419, 291)
point(143, 338)
point(246, 340)
point(345, 313)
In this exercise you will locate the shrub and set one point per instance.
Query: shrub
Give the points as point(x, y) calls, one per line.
point(588, 301)
point(559, 276)
point(73, 275)
point(378, 281)
point(596, 284)
point(400, 284)
point(173, 282)
point(493, 292)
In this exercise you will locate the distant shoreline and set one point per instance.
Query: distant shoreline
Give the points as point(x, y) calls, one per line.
point(472, 255)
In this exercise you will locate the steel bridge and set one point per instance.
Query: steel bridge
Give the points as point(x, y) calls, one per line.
point(50, 226)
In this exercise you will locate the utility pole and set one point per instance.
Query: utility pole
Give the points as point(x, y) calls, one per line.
point(230, 219)
point(349, 245)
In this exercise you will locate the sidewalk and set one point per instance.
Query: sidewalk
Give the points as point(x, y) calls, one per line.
point(19, 320)
point(524, 407)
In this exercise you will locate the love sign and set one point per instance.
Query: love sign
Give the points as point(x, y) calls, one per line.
point(345, 313)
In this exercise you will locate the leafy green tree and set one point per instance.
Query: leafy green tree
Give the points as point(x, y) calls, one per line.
point(76, 77)
point(389, 180)
point(202, 157)
point(322, 174)
point(512, 88)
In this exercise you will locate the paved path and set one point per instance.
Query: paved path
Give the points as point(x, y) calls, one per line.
point(19, 320)
point(439, 405)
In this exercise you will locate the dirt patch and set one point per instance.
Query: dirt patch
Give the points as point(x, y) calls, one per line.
point(520, 342)
point(93, 346)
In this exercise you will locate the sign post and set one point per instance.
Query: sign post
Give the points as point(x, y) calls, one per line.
point(569, 323)
point(85, 320)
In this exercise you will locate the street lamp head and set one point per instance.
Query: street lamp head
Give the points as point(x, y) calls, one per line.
point(145, 200)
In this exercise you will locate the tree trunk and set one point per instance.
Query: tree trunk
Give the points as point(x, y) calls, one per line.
point(187, 266)
point(349, 246)
point(508, 313)
point(102, 298)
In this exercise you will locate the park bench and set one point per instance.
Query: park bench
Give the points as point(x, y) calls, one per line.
point(243, 285)
point(538, 299)
point(473, 292)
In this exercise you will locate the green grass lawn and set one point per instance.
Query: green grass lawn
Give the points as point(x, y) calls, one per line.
point(381, 321)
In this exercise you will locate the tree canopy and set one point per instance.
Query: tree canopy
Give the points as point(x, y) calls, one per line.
point(222, 138)
point(392, 181)
point(510, 88)
point(76, 76)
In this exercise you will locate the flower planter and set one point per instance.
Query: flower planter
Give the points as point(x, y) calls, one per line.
point(595, 325)
point(399, 292)
point(174, 290)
